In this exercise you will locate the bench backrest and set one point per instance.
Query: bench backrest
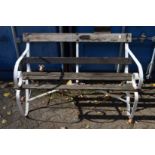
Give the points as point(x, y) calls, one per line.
point(77, 37)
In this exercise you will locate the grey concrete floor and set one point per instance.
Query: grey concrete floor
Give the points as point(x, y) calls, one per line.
point(61, 110)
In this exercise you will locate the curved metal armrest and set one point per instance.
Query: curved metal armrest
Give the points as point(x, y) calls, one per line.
point(139, 66)
point(17, 73)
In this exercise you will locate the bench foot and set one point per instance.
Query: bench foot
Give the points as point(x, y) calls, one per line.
point(131, 121)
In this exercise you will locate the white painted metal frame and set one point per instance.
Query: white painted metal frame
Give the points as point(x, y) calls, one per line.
point(18, 81)
point(137, 81)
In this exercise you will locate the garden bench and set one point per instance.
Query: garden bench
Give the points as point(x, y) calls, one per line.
point(125, 82)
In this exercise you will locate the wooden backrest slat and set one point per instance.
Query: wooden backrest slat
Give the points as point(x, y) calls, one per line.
point(77, 37)
point(81, 60)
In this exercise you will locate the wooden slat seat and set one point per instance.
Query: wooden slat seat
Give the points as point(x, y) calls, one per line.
point(80, 60)
point(112, 87)
point(77, 76)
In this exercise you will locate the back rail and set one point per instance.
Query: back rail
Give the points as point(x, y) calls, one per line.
point(77, 37)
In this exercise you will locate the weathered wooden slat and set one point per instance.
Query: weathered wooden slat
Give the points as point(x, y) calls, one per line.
point(126, 87)
point(74, 37)
point(77, 76)
point(81, 60)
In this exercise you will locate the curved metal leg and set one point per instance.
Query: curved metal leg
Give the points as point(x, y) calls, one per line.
point(19, 103)
point(134, 108)
point(27, 96)
point(23, 105)
point(128, 103)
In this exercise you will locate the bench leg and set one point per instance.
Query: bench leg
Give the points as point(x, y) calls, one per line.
point(128, 103)
point(27, 96)
point(134, 108)
point(18, 100)
point(22, 101)
point(127, 100)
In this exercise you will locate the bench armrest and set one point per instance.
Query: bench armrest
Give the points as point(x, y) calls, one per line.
point(17, 74)
point(140, 75)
